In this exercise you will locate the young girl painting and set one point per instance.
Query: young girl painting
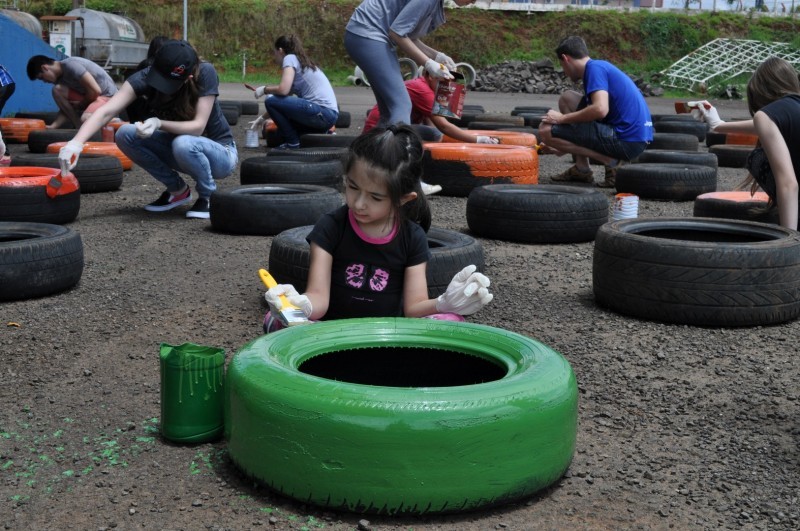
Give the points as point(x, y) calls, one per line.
point(368, 258)
point(773, 98)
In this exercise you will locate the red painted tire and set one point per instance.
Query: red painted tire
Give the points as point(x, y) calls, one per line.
point(23, 196)
point(98, 148)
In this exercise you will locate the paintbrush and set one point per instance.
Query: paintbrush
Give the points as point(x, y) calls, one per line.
point(682, 107)
point(288, 314)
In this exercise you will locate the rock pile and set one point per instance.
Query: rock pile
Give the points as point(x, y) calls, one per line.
point(536, 77)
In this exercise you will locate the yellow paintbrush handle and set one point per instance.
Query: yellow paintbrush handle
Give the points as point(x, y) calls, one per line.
point(269, 282)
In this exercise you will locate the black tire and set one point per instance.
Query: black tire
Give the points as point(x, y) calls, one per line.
point(39, 139)
point(236, 105)
point(250, 107)
point(231, 115)
point(731, 155)
point(532, 120)
point(343, 120)
point(326, 140)
point(30, 204)
point(95, 173)
point(527, 109)
point(674, 141)
point(38, 259)
point(499, 117)
point(325, 416)
point(693, 127)
point(536, 213)
point(451, 251)
point(272, 170)
point(477, 109)
point(698, 271)
point(490, 126)
point(712, 138)
point(735, 205)
point(669, 182)
point(269, 210)
point(701, 158)
point(313, 154)
point(673, 118)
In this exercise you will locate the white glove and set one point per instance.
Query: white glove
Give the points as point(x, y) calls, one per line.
point(705, 112)
point(273, 298)
point(257, 123)
point(487, 140)
point(259, 91)
point(437, 70)
point(69, 154)
point(148, 127)
point(466, 294)
point(2, 145)
point(445, 60)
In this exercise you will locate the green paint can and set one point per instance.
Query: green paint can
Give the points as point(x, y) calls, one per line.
point(192, 397)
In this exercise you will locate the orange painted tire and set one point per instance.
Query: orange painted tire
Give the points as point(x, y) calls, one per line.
point(97, 148)
point(509, 138)
point(741, 139)
point(16, 130)
point(736, 205)
point(23, 195)
point(458, 167)
point(116, 125)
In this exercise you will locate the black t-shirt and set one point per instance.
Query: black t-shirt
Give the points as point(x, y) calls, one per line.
point(785, 112)
point(217, 127)
point(367, 277)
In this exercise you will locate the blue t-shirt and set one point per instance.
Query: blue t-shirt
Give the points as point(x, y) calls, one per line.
point(628, 113)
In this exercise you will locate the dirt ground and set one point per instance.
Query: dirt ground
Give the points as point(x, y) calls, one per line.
point(679, 427)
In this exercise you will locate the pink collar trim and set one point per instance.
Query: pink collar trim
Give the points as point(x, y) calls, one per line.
point(369, 239)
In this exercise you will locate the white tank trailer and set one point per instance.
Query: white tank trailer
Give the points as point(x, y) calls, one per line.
point(113, 41)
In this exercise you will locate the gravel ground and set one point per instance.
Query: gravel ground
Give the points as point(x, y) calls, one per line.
point(679, 426)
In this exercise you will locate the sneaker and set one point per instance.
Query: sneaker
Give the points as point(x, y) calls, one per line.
point(611, 175)
point(573, 174)
point(167, 201)
point(430, 189)
point(201, 209)
point(287, 145)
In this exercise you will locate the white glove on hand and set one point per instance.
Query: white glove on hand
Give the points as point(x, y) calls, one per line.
point(148, 127)
point(259, 91)
point(487, 140)
point(705, 112)
point(466, 294)
point(273, 298)
point(437, 70)
point(2, 145)
point(69, 154)
point(445, 60)
point(257, 123)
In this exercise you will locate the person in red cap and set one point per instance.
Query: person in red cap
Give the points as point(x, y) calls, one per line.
point(187, 133)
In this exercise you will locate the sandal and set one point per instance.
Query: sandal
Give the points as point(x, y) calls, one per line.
point(573, 174)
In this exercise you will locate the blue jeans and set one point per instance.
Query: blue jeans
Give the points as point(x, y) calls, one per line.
point(163, 155)
point(599, 137)
point(295, 116)
point(378, 60)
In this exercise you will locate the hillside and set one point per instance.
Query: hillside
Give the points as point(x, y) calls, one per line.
point(641, 41)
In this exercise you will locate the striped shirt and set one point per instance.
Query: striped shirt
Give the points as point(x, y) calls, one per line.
point(5, 77)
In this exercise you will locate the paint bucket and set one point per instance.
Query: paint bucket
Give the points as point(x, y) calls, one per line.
point(192, 392)
point(251, 138)
point(626, 206)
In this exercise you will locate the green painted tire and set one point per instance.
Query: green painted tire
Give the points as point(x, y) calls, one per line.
point(401, 416)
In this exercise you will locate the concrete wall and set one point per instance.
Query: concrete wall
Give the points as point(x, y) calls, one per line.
point(17, 45)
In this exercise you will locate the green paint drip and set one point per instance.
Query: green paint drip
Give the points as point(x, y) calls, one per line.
point(192, 381)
